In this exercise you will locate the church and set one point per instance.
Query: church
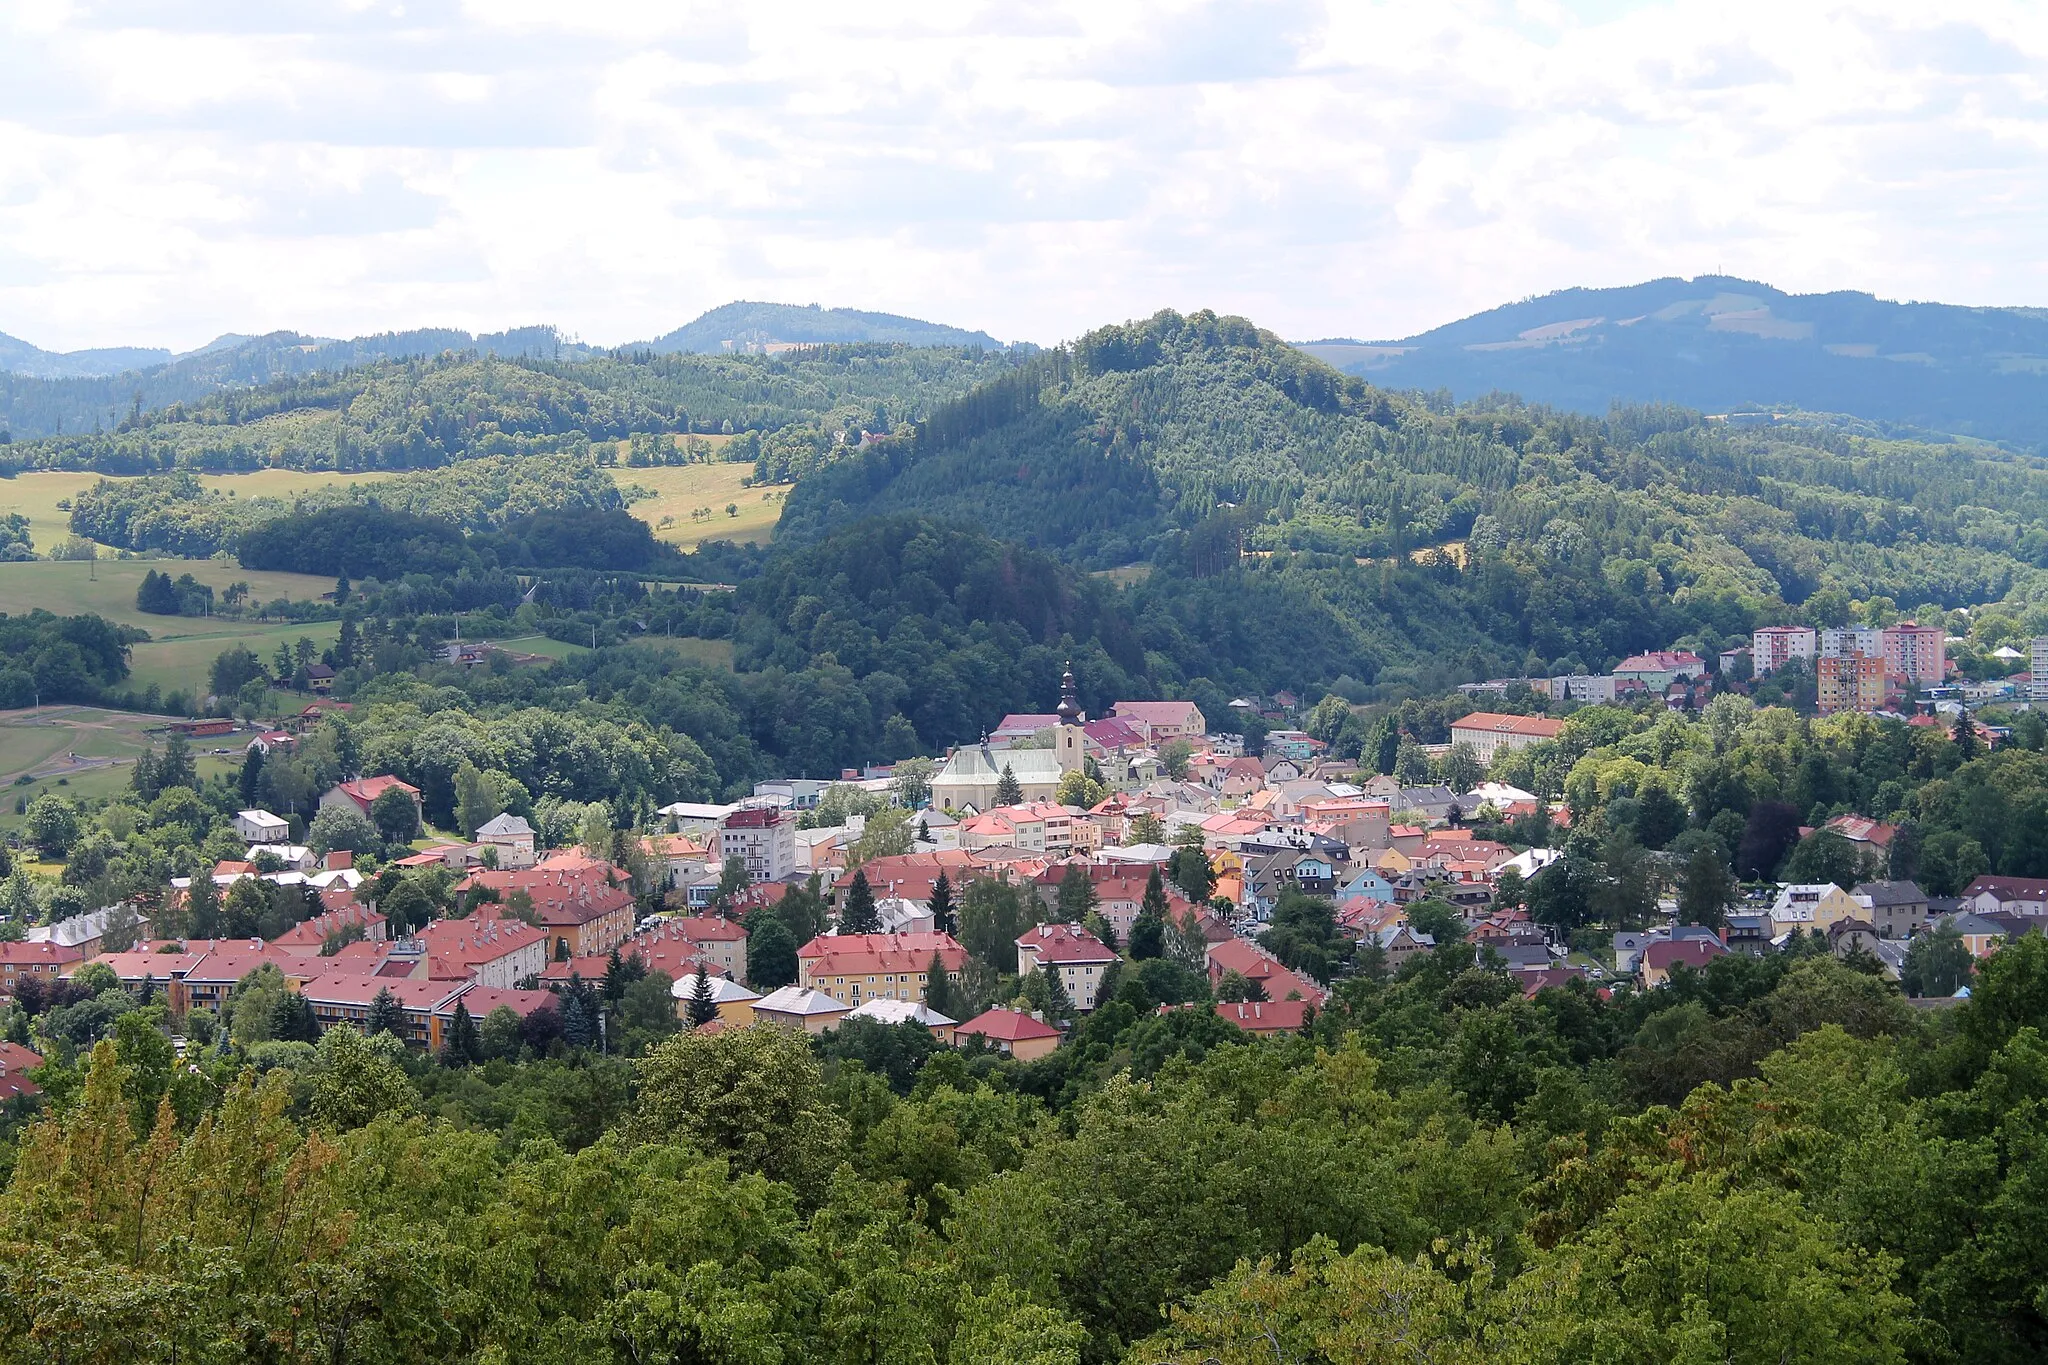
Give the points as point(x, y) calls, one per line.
point(973, 771)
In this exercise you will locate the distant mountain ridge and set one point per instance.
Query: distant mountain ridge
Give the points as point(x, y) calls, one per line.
point(1722, 344)
point(755, 327)
point(21, 357)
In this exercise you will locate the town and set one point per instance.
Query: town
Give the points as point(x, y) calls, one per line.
point(993, 897)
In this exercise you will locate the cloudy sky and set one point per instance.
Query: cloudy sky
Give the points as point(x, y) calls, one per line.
point(173, 170)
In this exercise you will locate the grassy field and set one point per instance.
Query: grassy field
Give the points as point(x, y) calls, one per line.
point(690, 649)
point(108, 588)
point(84, 749)
point(182, 662)
point(683, 490)
point(37, 495)
point(541, 645)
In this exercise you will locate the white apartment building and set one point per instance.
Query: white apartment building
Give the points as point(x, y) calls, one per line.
point(763, 838)
point(1837, 641)
point(1772, 647)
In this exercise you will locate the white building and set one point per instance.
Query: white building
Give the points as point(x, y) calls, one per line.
point(2037, 689)
point(261, 827)
point(763, 838)
point(511, 836)
point(1772, 647)
point(1837, 641)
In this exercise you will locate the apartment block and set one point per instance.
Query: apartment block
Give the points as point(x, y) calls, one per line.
point(1772, 647)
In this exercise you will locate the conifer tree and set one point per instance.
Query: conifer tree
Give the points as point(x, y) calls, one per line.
point(1148, 932)
point(1077, 899)
point(202, 904)
point(1058, 1004)
point(944, 921)
point(1008, 792)
point(859, 916)
point(940, 995)
point(702, 1007)
point(463, 1044)
point(386, 1016)
point(576, 1027)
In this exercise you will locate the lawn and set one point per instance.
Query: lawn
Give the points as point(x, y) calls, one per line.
point(689, 502)
point(37, 495)
point(92, 785)
point(542, 645)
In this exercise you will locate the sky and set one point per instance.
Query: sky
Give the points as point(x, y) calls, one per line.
point(171, 171)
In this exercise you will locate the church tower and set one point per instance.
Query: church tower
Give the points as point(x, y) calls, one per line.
point(1070, 743)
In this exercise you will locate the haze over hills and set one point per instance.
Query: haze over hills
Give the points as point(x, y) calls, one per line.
point(20, 357)
point(1722, 344)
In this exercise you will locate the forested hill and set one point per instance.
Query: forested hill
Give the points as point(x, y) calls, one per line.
point(44, 395)
point(1279, 505)
point(1722, 344)
point(736, 326)
point(381, 413)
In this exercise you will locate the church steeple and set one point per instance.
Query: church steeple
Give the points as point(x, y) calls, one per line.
point(1070, 701)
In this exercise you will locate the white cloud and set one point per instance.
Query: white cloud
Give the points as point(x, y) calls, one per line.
point(170, 171)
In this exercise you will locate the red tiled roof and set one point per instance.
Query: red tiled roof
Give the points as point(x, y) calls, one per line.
point(1007, 1025)
point(481, 1000)
point(565, 890)
point(1267, 1016)
point(1491, 722)
point(351, 988)
point(755, 817)
point(1692, 952)
point(1254, 963)
point(457, 947)
point(861, 954)
point(365, 790)
point(1064, 943)
point(38, 954)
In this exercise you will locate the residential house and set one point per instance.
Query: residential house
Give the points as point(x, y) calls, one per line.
point(1659, 668)
point(1661, 957)
point(1162, 722)
point(1873, 838)
point(1488, 732)
point(45, 960)
point(2012, 895)
point(1255, 964)
point(1077, 956)
point(1012, 1033)
point(892, 1012)
point(735, 1002)
point(1400, 942)
point(479, 1002)
point(261, 827)
point(224, 962)
point(677, 859)
point(16, 1062)
point(362, 793)
point(1804, 907)
point(511, 836)
point(146, 967)
point(1268, 1018)
point(1628, 945)
point(912, 875)
point(1847, 936)
point(1981, 934)
point(853, 968)
point(1897, 909)
point(800, 1007)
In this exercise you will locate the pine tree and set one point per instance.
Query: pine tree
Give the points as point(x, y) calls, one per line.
point(385, 1015)
point(342, 589)
point(576, 1028)
point(251, 780)
point(176, 768)
point(1008, 792)
point(142, 780)
point(1148, 932)
point(614, 977)
point(202, 904)
point(702, 1007)
point(944, 921)
point(1968, 746)
point(1077, 899)
point(939, 992)
point(859, 916)
point(463, 1046)
point(1058, 1005)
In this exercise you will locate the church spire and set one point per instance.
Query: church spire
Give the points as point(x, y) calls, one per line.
point(1070, 701)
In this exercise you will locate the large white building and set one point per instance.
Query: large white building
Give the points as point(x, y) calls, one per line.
point(2038, 688)
point(1837, 641)
point(763, 838)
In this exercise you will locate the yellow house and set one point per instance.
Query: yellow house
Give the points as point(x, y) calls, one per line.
point(1392, 863)
point(1811, 906)
point(735, 1002)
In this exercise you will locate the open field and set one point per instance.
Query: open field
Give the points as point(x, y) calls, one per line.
point(539, 644)
point(83, 751)
point(690, 649)
point(68, 588)
point(37, 495)
point(182, 662)
point(680, 490)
